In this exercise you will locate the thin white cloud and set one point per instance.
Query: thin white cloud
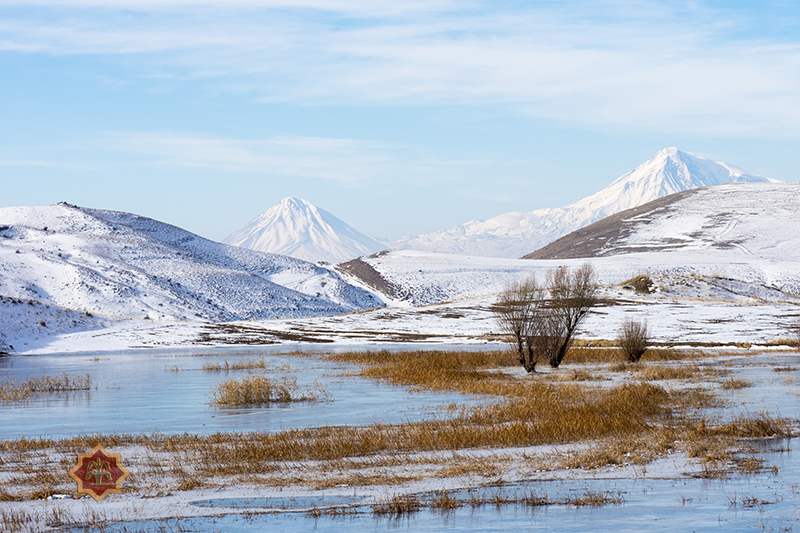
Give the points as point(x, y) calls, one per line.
point(637, 65)
point(343, 160)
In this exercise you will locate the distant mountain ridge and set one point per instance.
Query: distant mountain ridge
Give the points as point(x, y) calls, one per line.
point(516, 234)
point(297, 228)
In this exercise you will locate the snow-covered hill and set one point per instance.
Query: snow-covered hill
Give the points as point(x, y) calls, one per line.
point(298, 228)
point(745, 233)
point(516, 234)
point(757, 221)
point(122, 265)
point(724, 261)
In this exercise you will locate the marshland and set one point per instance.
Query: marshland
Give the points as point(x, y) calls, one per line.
point(428, 438)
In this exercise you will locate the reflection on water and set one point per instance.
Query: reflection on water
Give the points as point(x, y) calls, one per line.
point(285, 503)
point(146, 392)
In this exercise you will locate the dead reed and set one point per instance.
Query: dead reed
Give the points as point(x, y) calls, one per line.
point(16, 390)
point(261, 389)
point(397, 506)
point(247, 364)
point(735, 384)
point(657, 373)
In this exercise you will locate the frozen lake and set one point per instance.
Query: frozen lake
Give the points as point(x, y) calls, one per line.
point(143, 392)
point(152, 391)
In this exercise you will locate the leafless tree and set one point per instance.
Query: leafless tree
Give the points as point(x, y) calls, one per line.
point(517, 311)
point(573, 293)
point(541, 327)
point(633, 339)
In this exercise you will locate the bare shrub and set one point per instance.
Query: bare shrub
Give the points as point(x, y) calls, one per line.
point(573, 293)
point(518, 311)
point(633, 339)
point(541, 327)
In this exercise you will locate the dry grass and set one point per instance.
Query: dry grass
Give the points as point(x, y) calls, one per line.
point(397, 506)
point(595, 499)
point(735, 384)
point(11, 391)
point(641, 284)
point(633, 423)
point(443, 500)
point(656, 373)
point(247, 364)
point(577, 375)
point(608, 352)
point(261, 389)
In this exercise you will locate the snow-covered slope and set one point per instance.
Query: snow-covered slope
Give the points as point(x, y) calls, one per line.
point(743, 236)
point(516, 234)
point(298, 228)
point(123, 265)
point(754, 221)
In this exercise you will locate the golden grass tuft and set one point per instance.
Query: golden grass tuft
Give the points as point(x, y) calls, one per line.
point(735, 384)
point(657, 373)
point(444, 501)
point(16, 390)
point(595, 499)
point(247, 364)
point(757, 426)
point(261, 389)
point(641, 284)
point(397, 506)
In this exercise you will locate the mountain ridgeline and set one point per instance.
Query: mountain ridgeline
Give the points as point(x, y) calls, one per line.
point(518, 233)
point(124, 265)
point(299, 229)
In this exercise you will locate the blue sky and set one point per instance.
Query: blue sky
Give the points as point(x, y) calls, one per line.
point(398, 117)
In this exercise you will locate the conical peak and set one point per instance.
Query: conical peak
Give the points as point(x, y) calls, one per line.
point(292, 202)
point(298, 228)
point(669, 151)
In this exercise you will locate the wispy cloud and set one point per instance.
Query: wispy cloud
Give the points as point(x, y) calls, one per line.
point(634, 65)
point(343, 160)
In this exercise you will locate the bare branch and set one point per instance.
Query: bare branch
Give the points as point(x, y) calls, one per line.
point(633, 339)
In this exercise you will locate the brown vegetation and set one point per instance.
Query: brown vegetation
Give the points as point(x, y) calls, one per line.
point(633, 339)
point(542, 327)
point(248, 364)
point(641, 284)
point(261, 389)
point(11, 391)
point(633, 423)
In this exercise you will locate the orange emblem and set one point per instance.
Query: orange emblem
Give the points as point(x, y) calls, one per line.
point(98, 473)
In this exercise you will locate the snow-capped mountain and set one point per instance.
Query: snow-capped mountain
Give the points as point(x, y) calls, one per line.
point(754, 221)
point(516, 234)
point(742, 238)
point(299, 229)
point(123, 265)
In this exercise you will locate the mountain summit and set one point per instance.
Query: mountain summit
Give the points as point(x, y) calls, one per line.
point(298, 228)
point(516, 234)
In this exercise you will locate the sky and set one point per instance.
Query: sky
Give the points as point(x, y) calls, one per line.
point(398, 117)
